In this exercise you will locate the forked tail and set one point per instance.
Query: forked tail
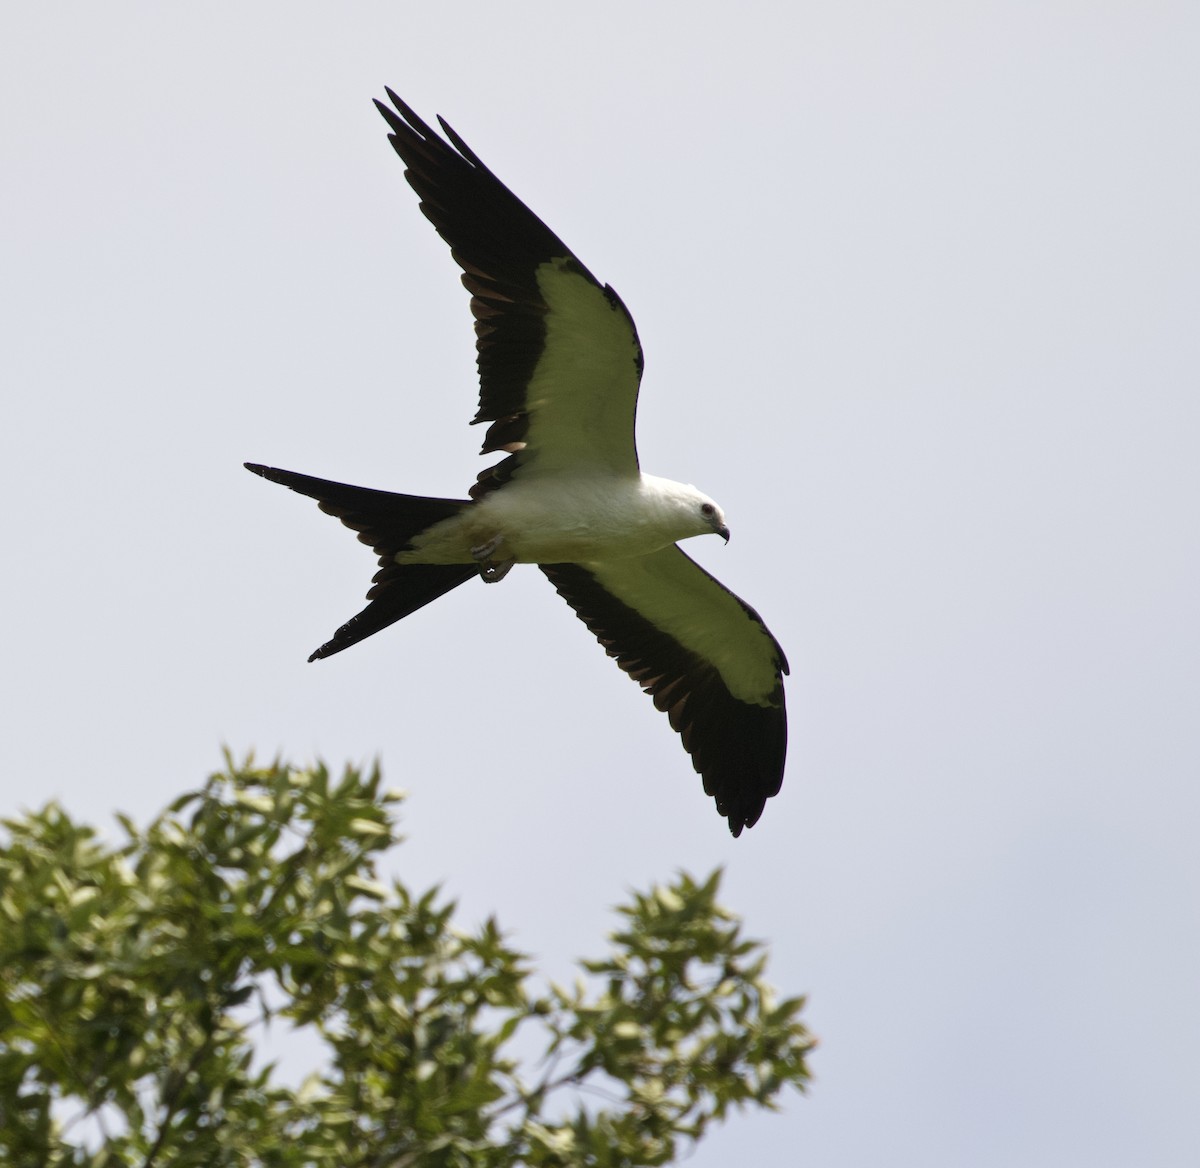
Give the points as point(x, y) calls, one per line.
point(388, 523)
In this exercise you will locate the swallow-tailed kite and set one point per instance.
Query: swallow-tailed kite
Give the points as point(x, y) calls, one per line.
point(559, 368)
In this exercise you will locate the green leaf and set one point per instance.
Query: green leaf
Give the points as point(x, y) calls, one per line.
point(137, 982)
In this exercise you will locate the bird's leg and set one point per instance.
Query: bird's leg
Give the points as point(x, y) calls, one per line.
point(485, 551)
point(490, 569)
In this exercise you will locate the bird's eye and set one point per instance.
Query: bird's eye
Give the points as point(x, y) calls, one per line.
point(706, 508)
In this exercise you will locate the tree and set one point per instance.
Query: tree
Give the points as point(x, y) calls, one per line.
point(135, 978)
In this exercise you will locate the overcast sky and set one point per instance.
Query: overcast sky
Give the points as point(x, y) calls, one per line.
point(919, 289)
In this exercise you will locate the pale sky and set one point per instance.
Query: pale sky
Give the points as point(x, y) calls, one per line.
point(918, 288)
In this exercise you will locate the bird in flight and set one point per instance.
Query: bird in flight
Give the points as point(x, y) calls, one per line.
point(559, 368)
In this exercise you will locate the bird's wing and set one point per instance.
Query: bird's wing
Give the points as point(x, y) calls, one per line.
point(706, 658)
point(558, 353)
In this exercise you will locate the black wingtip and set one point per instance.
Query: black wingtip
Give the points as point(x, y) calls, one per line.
point(403, 119)
point(285, 478)
point(395, 123)
point(335, 644)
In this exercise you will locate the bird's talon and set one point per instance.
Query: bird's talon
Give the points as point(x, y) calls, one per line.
point(483, 552)
point(493, 571)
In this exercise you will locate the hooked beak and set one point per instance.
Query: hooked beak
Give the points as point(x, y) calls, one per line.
point(723, 532)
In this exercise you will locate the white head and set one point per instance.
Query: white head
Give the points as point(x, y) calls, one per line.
point(686, 510)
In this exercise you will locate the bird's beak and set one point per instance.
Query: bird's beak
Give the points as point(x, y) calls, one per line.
point(723, 532)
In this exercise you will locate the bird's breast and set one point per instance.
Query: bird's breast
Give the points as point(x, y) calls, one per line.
point(570, 522)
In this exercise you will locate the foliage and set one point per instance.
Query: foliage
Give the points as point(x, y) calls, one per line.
point(134, 979)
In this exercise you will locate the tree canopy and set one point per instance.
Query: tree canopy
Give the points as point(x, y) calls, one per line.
point(136, 978)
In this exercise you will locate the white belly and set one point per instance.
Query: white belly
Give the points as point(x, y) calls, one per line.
point(549, 522)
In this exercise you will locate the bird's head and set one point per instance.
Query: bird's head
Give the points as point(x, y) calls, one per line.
point(684, 511)
point(713, 517)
